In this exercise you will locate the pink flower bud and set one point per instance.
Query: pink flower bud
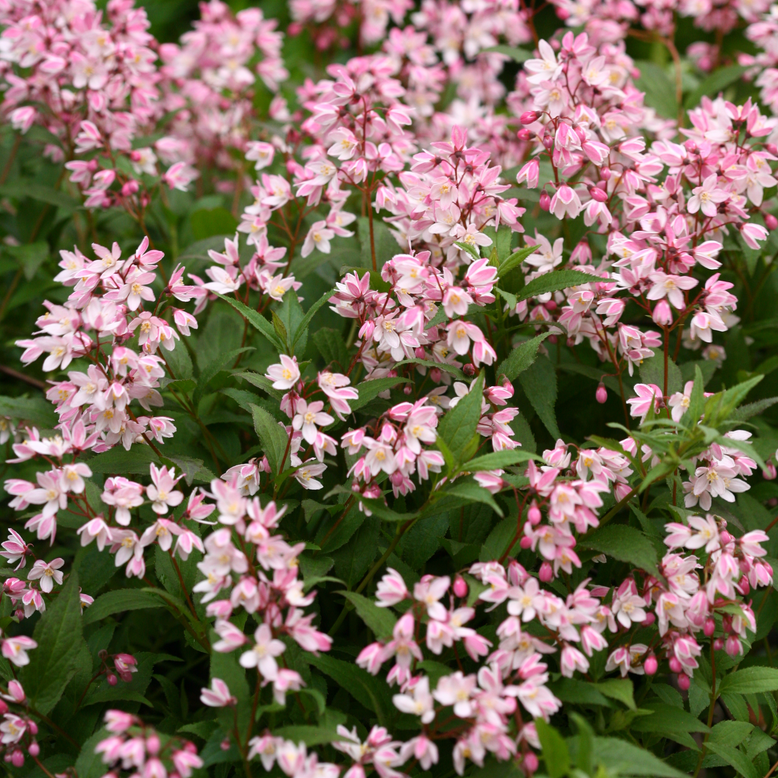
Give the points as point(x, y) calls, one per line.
point(534, 515)
point(152, 744)
point(525, 542)
point(460, 587)
point(718, 644)
point(598, 194)
point(732, 646)
point(524, 134)
point(545, 574)
point(684, 682)
point(225, 744)
point(662, 313)
point(469, 369)
point(33, 727)
point(771, 148)
point(530, 760)
point(651, 665)
point(34, 748)
point(548, 142)
point(675, 665)
point(601, 395)
point(690, 146)
point(605, 173)
point(770, 221)
point(649, 620)
point(17, 758)
point(528, 117)
point(130, 188)
point(550, 305)
point(112, 679)
point(725, 538)
point(769, 472)
point(744, 586)
point(3, 707)
point(545, 201)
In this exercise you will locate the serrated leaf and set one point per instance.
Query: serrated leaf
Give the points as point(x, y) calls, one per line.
point(517, 55)
point(658, 88)
point(620, 689)
point(369, 390)
point(332, 347)
point(306, 320)
point(380, 620)
point(272, 437)
point(369, 691)
point(624, 759)
point(514, 260)
point(119, 601)
point(556, 281)
point(652, 371)
point(555, 752)
point(539, 383)
point(750, 680)
point(720, 79)
point(624, 543)
point(256, 320)
point(521, 358)
point(59, 637)
point(497, 460)
point(33, 409)
point(735, 758)
point(458, 425)
point(310, 735)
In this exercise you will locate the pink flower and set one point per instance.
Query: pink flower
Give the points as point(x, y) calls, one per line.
point(218, 696)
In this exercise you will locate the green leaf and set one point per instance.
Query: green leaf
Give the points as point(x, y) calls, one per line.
point(369, 390)
point(670, 722)
point(624, 759)
point(30, 256)
point(256, 320)
point(555, 752)
point(454, 370)
point(498, 459)
point(540, 385)
point(624, 543)
point(44, 194)
point(464, 493)
point(556, 282)
point(658, 88)
point(735, 758)
point(720, 79)
point(310, 735)
point(521, 358)
point(272, 437)
point(730, 733)
point(620, 689)
point(369, 691)
point(118, 460)
point(215, 221)
point(213, 368)
point(380, 620)
point(652, 371)
point(304, 324)
point(748, 410)
point(258, 380)
point(518, 55)
point(515, 259)
point(89, 763)
point(36, 410)
point(119, 601)
point(291, 315)
point(750, 680)
point(332, 347)
point(458, 425)
point(59, 637)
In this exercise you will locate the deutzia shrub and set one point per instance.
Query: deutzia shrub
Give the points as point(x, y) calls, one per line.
point(388, 389)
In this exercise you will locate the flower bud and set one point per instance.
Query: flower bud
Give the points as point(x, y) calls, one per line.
point(112, 679)
point(34, 748)
point(744, 586)
point(718, 644)
point(17, 758)
point(605, 173)
point(534, 515)
point(225, 744)
point(662, 314)
point(598, 194)
point(771, 148)
point(675, 665)
point(545, 201)
point(3, 707)
point(152, 744)
point(770, 221)
point(684, 682)
point(550, 305)
point(725, 538)
point(469, 369)
point(528, 117)
point(525, 542)
point(545, 574)
point(650, 665)
point(548, 142)
point(530, 762)
point(524, 134)
point(690, 146)
point(601, 395)
point(460, 587)
point(769, 473)
point(649, 620)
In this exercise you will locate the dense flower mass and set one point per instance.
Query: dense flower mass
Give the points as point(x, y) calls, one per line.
point(396, 396)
